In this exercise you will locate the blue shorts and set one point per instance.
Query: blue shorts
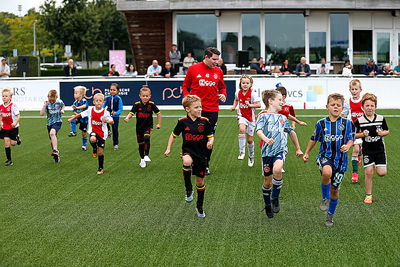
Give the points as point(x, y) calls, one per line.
point(268, 163)
point(56, 126)
point(337, 176)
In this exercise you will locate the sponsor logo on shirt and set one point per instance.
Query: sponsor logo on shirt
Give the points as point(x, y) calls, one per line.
point(6, 114)
point(372, 139)
point(203, 82)
point(143, 115)
point(356, 114)
point(333, 137)
point(96, 122)
point(194, 137)
point(53, 111)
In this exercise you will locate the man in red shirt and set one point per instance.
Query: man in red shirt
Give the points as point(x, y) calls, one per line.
point(206, 81)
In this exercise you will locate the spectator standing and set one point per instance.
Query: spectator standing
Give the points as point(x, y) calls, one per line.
point(4, 68)
point(303, 68)
point(370, 68)
point(175, 58)
point(222, 66)
point(130, 71)
point(323, 68)
point(168, 71)
point(188, 61)
point(70, 69)
point(154, 69)
point(286, 69)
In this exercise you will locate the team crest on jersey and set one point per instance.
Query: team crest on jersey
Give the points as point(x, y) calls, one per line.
point(140, 109)
point(57, 107)
point(200, 128)
point(341, 127)
point(366, 160)
point(266, 168)
point(148, 108)
point(215, 76)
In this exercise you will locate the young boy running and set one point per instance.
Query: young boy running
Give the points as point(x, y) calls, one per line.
point(336, 135)
point(198, 138)
point(353, 109)
point(372, 128)
point(54, 108)
point(98, 117)
point(9, 123)
point(246, 115)
point(144, 123)
point(80, 104)
point(114, 105)
point(271, 127)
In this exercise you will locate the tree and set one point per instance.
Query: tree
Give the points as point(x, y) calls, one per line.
point(5, 48)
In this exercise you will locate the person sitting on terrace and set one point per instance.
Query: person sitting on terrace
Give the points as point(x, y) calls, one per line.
point(130, 71)
point(255, 65)
point(154, 69)
point(168, 71)
point(112, 72)
point(276, 71)
point(370, 68)
point(286, 69)
point(386, 70)
point(396, 70)
point(323, 68)
point(303, 68)
point(347, 69)
point(221, 65)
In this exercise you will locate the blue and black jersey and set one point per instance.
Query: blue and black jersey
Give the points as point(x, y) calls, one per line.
point(114, 104)
point(333, 135)
point(79, 103)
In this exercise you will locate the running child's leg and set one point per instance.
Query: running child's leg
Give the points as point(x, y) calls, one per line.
point(115, 133)
point(242, 140)
point(187, 174)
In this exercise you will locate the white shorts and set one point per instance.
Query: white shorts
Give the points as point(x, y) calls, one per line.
point(358, 141)
point(250, 125)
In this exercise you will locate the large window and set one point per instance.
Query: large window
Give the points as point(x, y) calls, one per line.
point(284, 37)
point(383, 47)
point(196, 33)
point(362, 46)
point(317, 46)
point(339, 36)
point(229, 45)
point(251, 34)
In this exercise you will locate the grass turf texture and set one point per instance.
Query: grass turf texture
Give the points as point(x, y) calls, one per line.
point(64, 214)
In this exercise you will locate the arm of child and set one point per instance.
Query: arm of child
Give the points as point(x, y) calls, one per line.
point(262, 136)
point(254, 105)
point(210, 142)
point(296, 120)
point(74, 117)
point(362, 134)
point(62, 110)
point(158, 126)
point(17, 117)
point(80, 107)
point(120, 108)
point(107, 120)
point(295, 141)
point(43, 110)
point(347, 146)
point(127, 118)
point(235, 103)
point(310, 146)
point(170, 142)
point(382, 132)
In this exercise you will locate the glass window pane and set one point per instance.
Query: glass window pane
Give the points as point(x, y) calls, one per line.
point(196, 32)
point(251, 34)
point(383, 47)
point(284, 37)
point(229, 45)
point(317, 46)
point(362, 46)
point(339, 36)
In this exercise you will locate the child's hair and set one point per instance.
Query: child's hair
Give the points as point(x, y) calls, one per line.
point(269, 94)
point(282, 90)
point(81, 89)
point(369, 96)
point(7, 90)
point(116, 86)
point(52, 93)
point(189, 100)
point(145, 88)
point(245, 77)
point(335, 96)
point(355, 82)
point(98, 95)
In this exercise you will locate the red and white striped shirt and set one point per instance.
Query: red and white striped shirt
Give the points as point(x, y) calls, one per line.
point(9, 114)
point(244, 110)
point(95, 123)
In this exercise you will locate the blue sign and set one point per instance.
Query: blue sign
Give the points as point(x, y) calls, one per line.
point(163, 92)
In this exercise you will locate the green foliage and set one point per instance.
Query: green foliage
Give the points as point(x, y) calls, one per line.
point(66, 215)
point(5, 32)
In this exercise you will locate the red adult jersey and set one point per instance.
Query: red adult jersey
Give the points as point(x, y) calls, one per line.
point(206, 83)
point(286, 110)
point(97, 123)
point(356, 109)
point(8, 115)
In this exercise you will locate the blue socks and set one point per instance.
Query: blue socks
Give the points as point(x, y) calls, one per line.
point(276, 188)
point(266, 195)
point(73, 126)
point(326, 190)
point(332, 206)
point(84, 141)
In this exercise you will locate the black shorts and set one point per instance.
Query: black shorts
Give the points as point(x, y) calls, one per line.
point(56, 126)
point(100, 141)
point(337, 176)
point(82, 125)
point(198, 166)
point(11, 133)
point(141, 133)
point(212, 118)
point(377, 159)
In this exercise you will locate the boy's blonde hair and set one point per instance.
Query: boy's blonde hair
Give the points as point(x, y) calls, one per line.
point(369, 96)
point(144, 88)
point(189, 100)
point(81, 89)
point(52, 93)
point(7, 90)
point(244, 76)
point(98, 95)
point(269, 94)
point(355, 82)
point(335, 96)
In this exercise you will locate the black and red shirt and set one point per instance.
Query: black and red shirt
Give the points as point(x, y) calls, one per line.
point(206, 83)
point(195, 134)
point(144, 114)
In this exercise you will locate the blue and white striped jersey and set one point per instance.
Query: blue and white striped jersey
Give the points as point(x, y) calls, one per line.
point(333, 135)
point(273, 126)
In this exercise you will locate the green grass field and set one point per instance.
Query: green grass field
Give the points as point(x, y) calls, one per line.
point(66, 215)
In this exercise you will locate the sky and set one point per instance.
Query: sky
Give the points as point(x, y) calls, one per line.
point(12, 6)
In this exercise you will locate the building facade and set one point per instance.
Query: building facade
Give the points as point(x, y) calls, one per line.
point(274, 30)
